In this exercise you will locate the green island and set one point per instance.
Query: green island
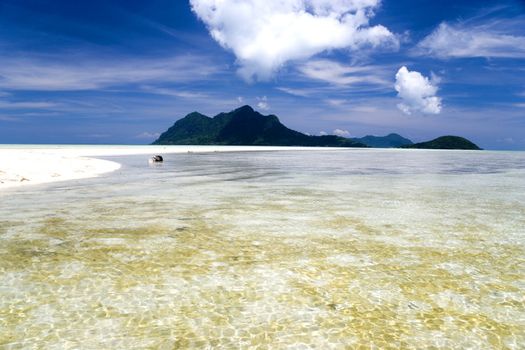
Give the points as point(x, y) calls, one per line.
point(243, 126)
point(247, 127)
point(446, 142)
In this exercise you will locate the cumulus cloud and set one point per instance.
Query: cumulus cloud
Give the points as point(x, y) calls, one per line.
point(266, 34)
point(263, 103)
point(323, 133)
point(343, 133)
point(417, 92)
point(455, 41)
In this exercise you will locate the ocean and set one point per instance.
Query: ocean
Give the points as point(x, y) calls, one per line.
point(357, 248)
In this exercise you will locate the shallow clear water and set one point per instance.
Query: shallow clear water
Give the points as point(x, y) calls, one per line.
point(281, 250)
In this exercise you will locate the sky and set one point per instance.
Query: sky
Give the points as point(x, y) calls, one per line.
point(123, 71)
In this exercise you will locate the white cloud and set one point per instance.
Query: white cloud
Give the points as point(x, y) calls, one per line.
point(365, 109)
point(459, 40)
point(7, 118)
point(338, 74)
point(27, 105)
point(417, 92)
point(263, 103)
point(148, 135)
point(295, 91)
point(310, 91)
point(336, 102)
point(343, 133)
point(173, 92)
point(240, 99)
point(266, 34)
point(96, 136)
point(323, 133)
point(88, 73)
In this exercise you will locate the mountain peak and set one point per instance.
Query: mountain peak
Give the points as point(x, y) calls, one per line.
point(391, 140)
point(196, 114)
point(244, 109)
point(243, 126)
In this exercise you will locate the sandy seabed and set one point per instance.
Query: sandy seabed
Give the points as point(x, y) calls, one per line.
point(353, 249)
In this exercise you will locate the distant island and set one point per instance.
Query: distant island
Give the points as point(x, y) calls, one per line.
point(446, 142)
point(388, 141)
point(245, 126)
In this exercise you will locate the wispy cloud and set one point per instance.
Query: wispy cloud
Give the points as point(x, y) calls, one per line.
point(302, 92)
point(335, 73)
point(8, 118)
point(96, 136)
point(196, 40)
point(335, 102)
point(496, 39)
point(88, 73)
point(27, 105)
point(173, 92)
point(148, 135)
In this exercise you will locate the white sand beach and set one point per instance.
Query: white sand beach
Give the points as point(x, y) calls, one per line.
point(24, 165)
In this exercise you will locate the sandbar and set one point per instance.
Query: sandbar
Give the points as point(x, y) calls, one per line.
point(25, 165)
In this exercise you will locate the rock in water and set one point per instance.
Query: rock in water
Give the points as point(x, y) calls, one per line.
point(156, 159)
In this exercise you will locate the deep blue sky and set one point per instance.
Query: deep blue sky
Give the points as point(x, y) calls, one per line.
point(123, 71)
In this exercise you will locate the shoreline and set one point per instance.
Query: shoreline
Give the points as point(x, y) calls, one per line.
point(25, 165)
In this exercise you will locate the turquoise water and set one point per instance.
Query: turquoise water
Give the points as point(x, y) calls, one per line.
point(282, 250)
